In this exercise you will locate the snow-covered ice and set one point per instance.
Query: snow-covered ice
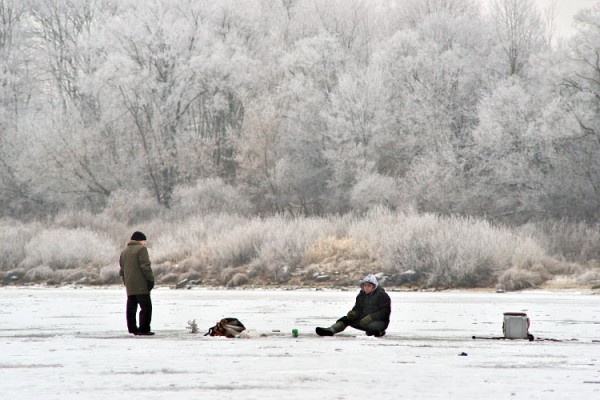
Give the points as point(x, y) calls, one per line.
point(72, 344)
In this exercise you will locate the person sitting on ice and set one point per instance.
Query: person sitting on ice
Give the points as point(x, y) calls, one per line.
point(371, 313)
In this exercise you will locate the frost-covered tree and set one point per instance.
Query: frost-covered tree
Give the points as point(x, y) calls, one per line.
point(585, 79)
point(519, 30)
point(150, 77)
point(311, 74)
point(503, 177)
point(44, 63)
point(457, 106)
point(173, 73)
point(414, 12)
point(258, 151)
point(64, 128)
point(579, 146)
point(431, 95)
point(354, 118)
point(13, 63)
point(352, 22)
point(374, 190)
point(14, 95)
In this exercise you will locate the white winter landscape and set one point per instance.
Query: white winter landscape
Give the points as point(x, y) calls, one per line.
point(68, 343)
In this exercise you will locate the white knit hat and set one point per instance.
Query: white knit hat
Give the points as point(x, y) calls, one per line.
point(369, 279)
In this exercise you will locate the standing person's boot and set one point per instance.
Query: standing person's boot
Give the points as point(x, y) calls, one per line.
point(332, 330)
point(145, 313)
point(131, 313)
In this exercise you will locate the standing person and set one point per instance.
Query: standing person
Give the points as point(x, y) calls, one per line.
point(371, 312)
point(139, 281)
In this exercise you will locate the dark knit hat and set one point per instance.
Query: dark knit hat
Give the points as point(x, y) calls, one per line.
point(138, 236)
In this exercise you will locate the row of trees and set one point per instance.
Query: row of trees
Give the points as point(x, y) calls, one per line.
point(315, 106)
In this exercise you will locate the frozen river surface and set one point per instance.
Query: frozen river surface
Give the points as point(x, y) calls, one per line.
point(72, 344)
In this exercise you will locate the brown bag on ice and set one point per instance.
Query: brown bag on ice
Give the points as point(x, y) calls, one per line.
point(228, 327)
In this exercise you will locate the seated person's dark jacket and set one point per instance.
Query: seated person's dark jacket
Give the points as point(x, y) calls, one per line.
point(377, 305)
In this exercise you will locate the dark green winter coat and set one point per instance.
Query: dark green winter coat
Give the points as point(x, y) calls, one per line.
point(377, 304)
point(135, 269)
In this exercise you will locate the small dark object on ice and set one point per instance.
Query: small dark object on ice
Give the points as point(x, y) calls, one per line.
point(463, 354)
point(489, 338)
point(530, 337)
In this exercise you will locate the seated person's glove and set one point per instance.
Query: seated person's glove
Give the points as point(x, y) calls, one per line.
point(150, 285)
point(365, 321)
point(351, 315)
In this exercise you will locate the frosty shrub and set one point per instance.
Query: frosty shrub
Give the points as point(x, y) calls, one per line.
point(197, 237)
point(72, 218)
point(226, 274)
point(132, 207)
point(14, 236)
point(209, 196)
point(192, 275)
point(591, 277)
point(238, 279)
point(280, 274)
point(374, 190)
point(559, 267)
point(333, 248)
point(573, 241)
point(117, 230)
point(69, 248)
point(235, 246)
point(38, 274)
point(78, 275)
point(227, 242)
point(110, 275)
point(192, 264)
point(170, 277)
point(287, 239)
point(256, 268)
point(178, 240)
point(232, 250)
point(312, 271)
point(518, 278)
point(447, 251)
point(110, 227)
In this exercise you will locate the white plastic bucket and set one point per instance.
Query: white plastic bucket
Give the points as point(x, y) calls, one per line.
point(516, 325)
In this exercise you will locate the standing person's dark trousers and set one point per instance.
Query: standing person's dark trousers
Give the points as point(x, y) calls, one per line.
point(145, 313)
